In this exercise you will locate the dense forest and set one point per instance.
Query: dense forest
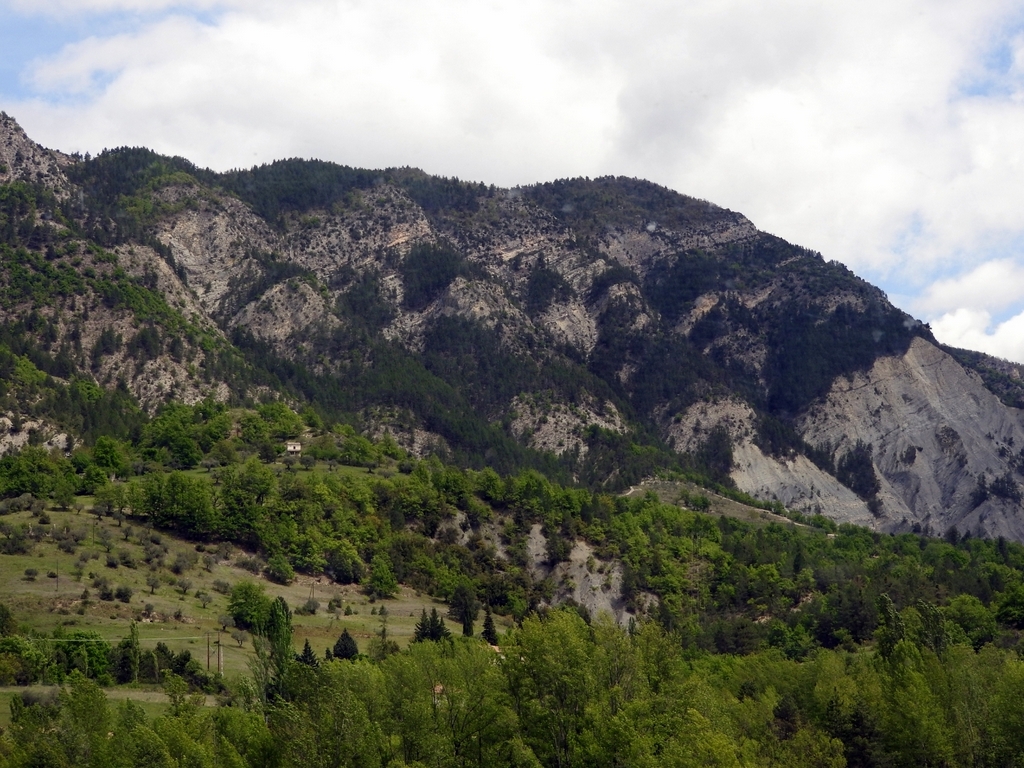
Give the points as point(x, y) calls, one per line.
point(752, 643)
point(722, 584)
point(559, 692)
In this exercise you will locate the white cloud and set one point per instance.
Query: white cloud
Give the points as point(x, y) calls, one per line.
point(471, 91)
point(992, 286)
point(878, 133)
point(973, 329)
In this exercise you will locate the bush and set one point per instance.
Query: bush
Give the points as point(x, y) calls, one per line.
point(184, 561)
point(251, 564)
point(309, 608)
point(124, 594)
point(280, 570)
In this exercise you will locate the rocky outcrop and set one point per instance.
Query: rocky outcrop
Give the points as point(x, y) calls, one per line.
point(215, 240)
point(938, 441)
point(560, 427)
point(645, 312)
point(21, 159)
point(935, 431)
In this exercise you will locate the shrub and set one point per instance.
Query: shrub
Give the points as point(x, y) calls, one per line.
point(280, 570)
point(309, 608)
point(184, 561)
point(251, 564)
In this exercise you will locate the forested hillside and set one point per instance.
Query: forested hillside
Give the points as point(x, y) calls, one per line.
point(684, 493)
point(598, 331)
point(759, 643)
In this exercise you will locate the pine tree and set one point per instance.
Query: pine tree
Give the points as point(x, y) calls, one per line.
point(346, 647)
point(490, 634)
point(308, 656)
point(431, 627)
point(422, 629)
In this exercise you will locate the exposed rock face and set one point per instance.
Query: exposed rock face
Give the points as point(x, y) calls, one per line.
point(214, 239)
point(644, 248)
point(285, 312)
point(609, 303)
point(583, 579)
point(690, 429)
point(935, 430)
point(560, 427)
point(21, 159)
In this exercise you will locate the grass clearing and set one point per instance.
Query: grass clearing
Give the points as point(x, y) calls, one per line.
point(47, 587)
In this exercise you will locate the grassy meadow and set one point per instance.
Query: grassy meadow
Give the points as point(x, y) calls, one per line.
point(178, 598)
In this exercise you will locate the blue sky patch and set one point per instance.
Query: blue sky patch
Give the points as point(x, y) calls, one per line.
point(27, 37)
point(995, 78)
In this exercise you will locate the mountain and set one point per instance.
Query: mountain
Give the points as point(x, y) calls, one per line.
point(602, 330)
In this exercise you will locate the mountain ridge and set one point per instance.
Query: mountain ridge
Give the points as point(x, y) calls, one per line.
point(608, 329)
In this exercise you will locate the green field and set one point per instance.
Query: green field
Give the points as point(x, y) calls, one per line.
point(63, 592)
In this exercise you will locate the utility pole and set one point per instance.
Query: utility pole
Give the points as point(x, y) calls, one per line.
point(207, 651)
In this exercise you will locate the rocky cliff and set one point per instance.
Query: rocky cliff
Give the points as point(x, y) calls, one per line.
point(607, 324)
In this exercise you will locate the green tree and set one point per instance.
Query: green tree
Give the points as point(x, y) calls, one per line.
point(971, 615)
point(108, 454)
point(280, 570)
point(1011, 608)
point(431, 627)
point(64, 488)
point(242, 494)
point(891, 630)
point(464, 607)
point(8, 626)
point(489, 634)
point(345, 647)
point(550, 677)
point(382, 582)
point(249, 606)
point(180, 501)
point(308, 656)
point(382, 646)
point(127, 656)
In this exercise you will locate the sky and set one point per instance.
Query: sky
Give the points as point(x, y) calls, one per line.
point(885, 134)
